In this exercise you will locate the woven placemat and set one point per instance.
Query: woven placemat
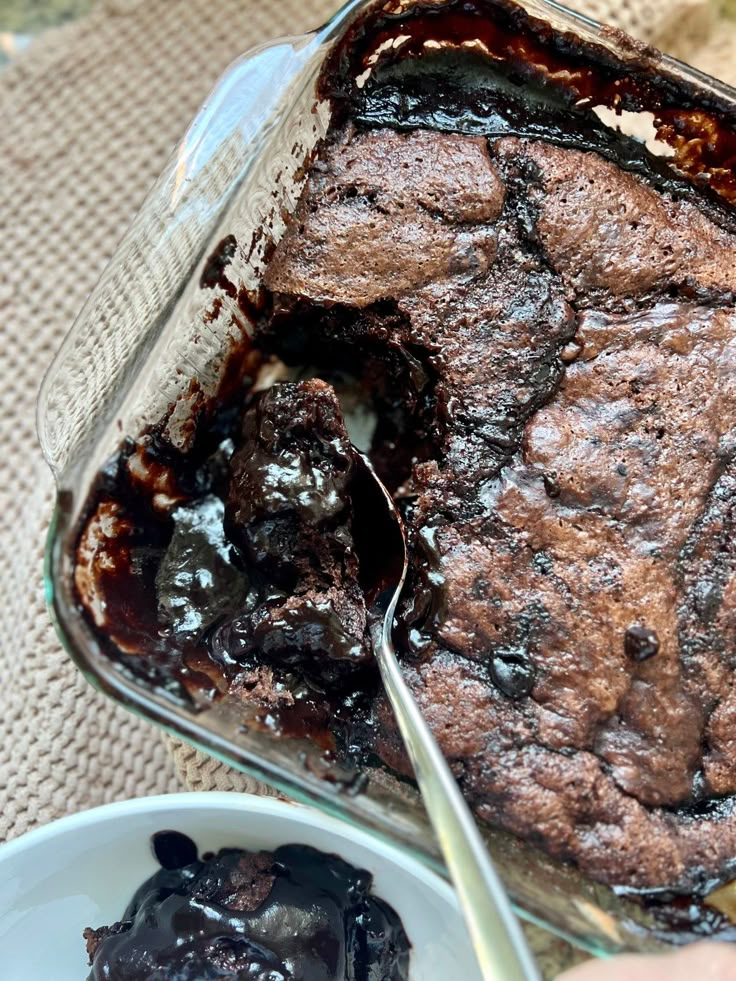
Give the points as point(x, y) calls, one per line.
point(90, 113)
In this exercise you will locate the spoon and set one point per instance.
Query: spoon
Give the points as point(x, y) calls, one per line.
point(498, 940)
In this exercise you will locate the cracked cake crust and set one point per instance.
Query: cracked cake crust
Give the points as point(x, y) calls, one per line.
point(584, 410)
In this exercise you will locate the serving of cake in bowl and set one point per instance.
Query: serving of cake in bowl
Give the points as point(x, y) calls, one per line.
point(527, 320)
point(294, 914)
point(222, 886)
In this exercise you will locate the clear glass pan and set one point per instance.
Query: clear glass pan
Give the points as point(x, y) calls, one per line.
point(140, 340)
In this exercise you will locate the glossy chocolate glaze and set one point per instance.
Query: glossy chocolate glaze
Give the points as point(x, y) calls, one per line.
point(476, 305)
point(296, 914)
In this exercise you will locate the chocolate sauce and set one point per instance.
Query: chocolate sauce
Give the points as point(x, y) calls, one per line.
point(173, 850)
point(213, 274)
point(295, 914)
point(641, 643)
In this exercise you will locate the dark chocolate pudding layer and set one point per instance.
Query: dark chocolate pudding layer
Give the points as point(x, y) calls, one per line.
point(295, 914)
point(542, 317)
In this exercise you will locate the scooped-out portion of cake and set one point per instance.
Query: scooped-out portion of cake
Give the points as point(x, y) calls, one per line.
point(295, 914)
point(289, 512)
point(539, 317)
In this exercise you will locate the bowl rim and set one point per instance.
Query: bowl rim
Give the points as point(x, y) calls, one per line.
point(230, 802)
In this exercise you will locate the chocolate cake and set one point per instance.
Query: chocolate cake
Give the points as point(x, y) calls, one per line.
point(542, 316)
point(294, 914)
point(579, 333)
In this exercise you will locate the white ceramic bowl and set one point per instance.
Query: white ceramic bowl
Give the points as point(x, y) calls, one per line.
point(82, 871)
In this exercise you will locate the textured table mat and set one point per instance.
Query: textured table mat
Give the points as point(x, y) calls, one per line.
point(89, 114)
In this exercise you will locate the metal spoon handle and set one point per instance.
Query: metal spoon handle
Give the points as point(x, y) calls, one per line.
point(500, 945)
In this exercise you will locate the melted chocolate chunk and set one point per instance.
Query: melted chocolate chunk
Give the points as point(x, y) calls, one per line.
point(512, 673)
point(292, 915)
point(641, 643)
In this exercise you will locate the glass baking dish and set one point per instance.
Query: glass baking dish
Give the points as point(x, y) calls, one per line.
point(144, 336)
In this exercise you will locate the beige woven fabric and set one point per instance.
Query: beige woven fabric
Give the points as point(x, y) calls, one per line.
point(717, 54)
point(676, 26)
point(89, 115)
